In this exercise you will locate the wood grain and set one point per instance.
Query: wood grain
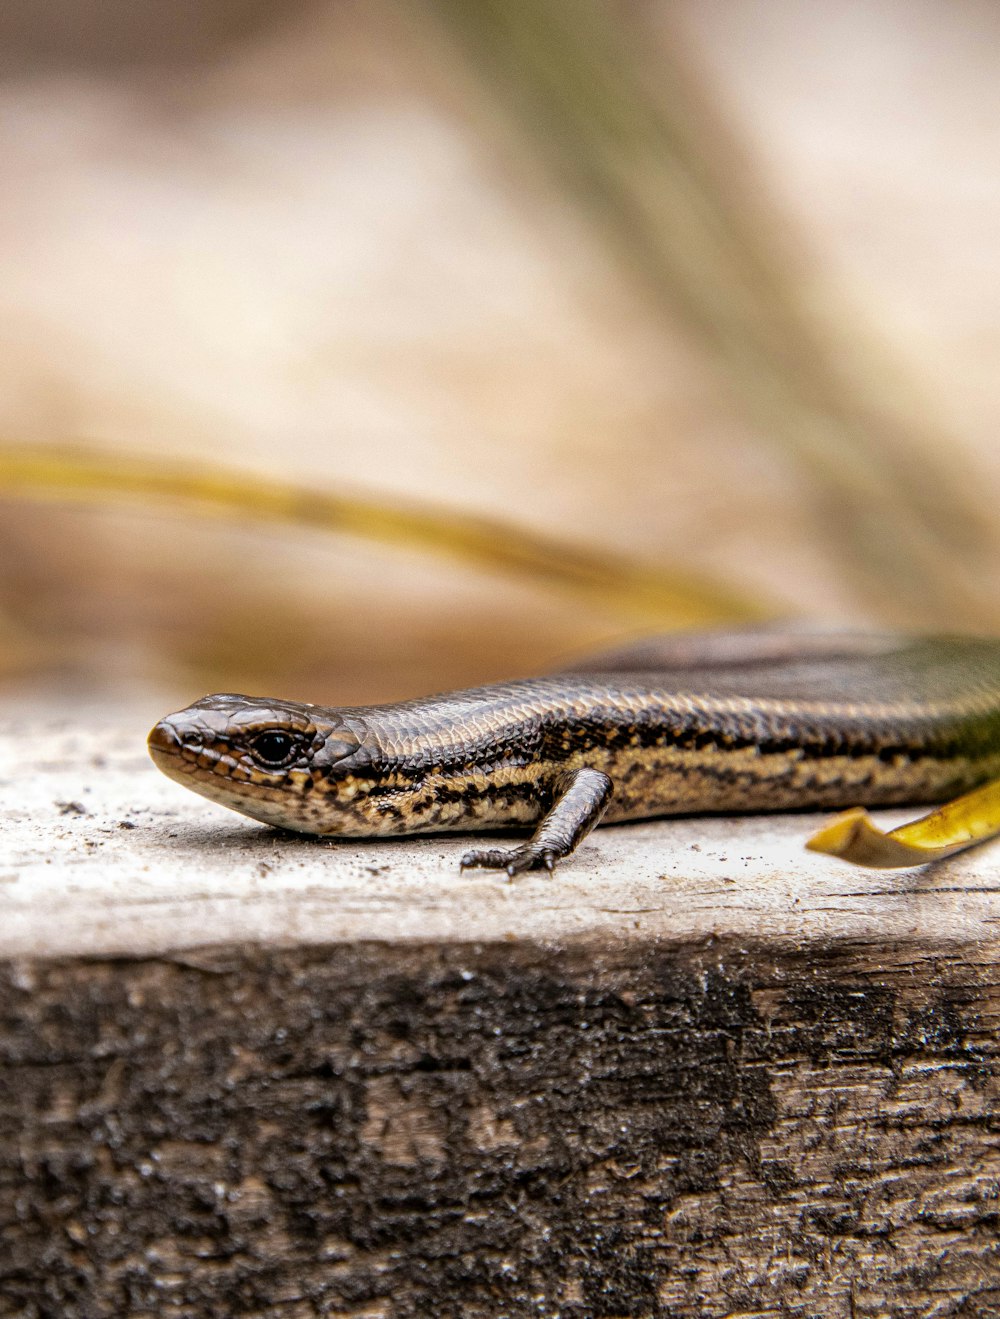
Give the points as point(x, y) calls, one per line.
point(733, 1081)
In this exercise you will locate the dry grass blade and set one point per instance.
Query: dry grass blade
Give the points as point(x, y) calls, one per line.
point(632, 591)
point(958, 824)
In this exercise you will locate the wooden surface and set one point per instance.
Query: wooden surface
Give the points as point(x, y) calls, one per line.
point(100, 854)
point(699, 1072)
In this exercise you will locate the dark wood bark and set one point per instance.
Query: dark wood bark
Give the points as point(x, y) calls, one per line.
point(503, 1130)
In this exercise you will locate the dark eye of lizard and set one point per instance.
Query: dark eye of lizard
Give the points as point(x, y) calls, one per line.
point(273, 748)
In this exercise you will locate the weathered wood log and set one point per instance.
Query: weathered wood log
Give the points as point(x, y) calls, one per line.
point(699, 1072)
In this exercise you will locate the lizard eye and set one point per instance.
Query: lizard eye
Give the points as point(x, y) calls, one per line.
point(273, 748)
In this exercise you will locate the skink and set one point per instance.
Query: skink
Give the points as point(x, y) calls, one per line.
point(768, 720)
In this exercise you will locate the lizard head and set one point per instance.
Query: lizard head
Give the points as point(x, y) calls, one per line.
point(279, 762)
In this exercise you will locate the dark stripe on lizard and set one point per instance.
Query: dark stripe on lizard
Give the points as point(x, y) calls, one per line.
point(678, 726)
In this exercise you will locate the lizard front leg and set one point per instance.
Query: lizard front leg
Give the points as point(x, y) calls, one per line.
point(580, 798)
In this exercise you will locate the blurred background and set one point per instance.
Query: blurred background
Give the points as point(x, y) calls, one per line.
point(355, 350)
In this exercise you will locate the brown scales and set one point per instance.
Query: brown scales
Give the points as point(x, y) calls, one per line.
point(841, 721)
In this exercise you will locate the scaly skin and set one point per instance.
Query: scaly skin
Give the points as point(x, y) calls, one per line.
point(760, 721)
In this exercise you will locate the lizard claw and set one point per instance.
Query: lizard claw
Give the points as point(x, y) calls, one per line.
point(514, 861)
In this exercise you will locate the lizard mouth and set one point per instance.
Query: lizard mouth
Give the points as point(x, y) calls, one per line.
point(189, 759)
point(166, 748)
point(209, 772)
